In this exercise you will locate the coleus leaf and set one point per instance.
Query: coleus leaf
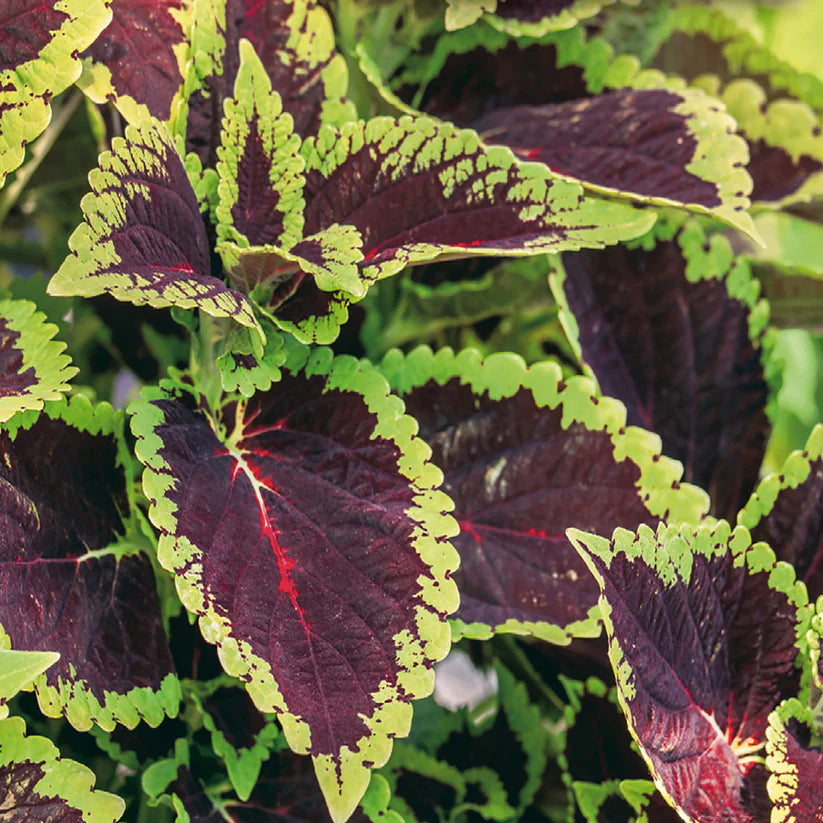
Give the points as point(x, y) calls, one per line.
point(786, 511)
point(676, 333)
point(785, 145)
point(794, 785)
point(422, 787)
point(696, 39)
point(136, 749)
point(266, 518)
point(33, 368)
point(18, 669)
point(241, 368)
point(38, 60)
point(260, 167)
point(38, 784)
point(140, 57)
point(597, 755)
point(525, 455)
point(653, 145)
point(697, 669)
point(144, 240)
point(458, 198)
point(548, 100)
point(72, 582)
point(295, 41)
point(286, 792)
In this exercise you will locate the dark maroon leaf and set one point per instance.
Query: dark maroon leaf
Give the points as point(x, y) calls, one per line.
point(775, 173)
point(475, 82)
point(521, 469)
point(313, 552)
point(138, 51)
point(628, 140)
point(62, 498)
point(295, 42)
point(795, 786)
point(678, 352)
point(786, 512)
point(698, 667)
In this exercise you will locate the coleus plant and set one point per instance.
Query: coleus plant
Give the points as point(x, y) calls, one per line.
point(460, 341)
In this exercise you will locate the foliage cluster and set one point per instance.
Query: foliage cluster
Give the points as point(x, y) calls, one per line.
point(391, 332)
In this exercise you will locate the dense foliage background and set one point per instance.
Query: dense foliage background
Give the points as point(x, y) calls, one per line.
point(411, 411)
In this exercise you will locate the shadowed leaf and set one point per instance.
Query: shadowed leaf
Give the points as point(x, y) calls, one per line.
point(676, 333)
point(71, 582)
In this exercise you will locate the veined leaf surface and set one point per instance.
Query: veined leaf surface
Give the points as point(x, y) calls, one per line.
point(303, 528)
point(70, 580)
point(656, 145)
point(567, 101)
point(144, 240)
point(295, 42)
point(698, 670)
point(525, 455)
point(676, 333)
point(140, 57)
point(384, 194)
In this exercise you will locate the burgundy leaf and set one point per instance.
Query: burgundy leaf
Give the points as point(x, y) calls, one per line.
point(138, 49)
point(28, 26)
point(473, 83)
point(698, 668)
point(62, 497)
point(775, 173)
point(295, 42)
point(521, 469)
point(796, 782)
point(143, 240)
point(679, 354)
point(786, 512)
point(313, 554)
point(628, 140)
